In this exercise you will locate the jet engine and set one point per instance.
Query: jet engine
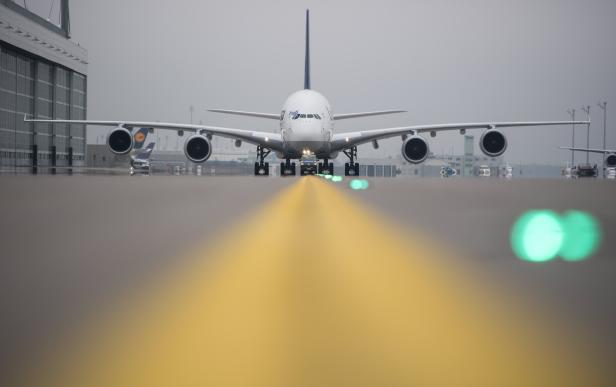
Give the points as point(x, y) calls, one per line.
point(610, 160)
point(120, 140)
point(197, 148)
point(493, 143)
point(415, 149)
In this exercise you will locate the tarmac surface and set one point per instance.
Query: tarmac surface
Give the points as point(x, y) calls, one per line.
point(130, 259)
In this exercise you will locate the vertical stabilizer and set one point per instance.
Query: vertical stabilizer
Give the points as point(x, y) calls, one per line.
point(307, 63)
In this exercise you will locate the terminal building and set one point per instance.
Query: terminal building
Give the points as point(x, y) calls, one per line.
point(43, 74)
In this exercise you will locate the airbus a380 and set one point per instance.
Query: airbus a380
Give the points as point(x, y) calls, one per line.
point(307, 132)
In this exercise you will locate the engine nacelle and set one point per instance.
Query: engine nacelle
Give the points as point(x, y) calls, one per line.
point(197, 148)
point(415, 149)
point(610, 160)
point(493, 143)
point(120, 141)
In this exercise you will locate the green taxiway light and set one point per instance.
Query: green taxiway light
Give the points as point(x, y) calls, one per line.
point(336, 179)
point(358, 184)
point(328, 177)
point(541, 235)
point(583, 235)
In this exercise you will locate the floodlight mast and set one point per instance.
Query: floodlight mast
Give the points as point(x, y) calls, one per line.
point(603, 106)
point(572, 114)
point(587, 111)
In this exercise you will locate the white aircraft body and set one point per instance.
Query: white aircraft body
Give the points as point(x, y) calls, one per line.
point(307, 129)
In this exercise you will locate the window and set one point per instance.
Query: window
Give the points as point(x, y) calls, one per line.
point(310, 116)
point(302, 115)
point(318, 117)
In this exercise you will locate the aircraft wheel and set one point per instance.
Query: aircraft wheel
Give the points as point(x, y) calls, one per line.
point(261, 169)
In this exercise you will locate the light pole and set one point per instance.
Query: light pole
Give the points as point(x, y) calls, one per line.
point(587, 111)
point(603, 107)
point(572, 114)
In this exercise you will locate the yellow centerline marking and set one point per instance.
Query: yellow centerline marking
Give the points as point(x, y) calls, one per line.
point(315, 290)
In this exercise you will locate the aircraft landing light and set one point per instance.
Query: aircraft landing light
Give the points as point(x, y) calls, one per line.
point(314, 289)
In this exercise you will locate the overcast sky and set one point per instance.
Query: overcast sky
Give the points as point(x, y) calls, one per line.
point(442, 60)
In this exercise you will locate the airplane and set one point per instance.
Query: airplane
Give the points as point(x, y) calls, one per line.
point(140, 160)
point(306, 129)
point(609, 154)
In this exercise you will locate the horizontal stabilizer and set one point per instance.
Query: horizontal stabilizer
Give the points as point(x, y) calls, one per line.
point(271, 116)
point(366, 114)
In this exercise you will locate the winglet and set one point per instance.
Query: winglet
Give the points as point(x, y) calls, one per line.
point(307, 59)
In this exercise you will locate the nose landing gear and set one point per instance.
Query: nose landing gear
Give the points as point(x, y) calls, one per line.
point(351, 168)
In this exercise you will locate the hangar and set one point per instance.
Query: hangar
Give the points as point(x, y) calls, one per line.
point(43, 74)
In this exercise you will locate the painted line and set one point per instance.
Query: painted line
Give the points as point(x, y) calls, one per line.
point(315, 290)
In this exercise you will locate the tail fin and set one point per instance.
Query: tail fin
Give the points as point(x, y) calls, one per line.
point(139, 137)
point(144, 154)
point(307, 63)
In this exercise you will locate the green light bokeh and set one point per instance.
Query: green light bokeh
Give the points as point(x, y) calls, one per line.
point(537, 236)
point(336, 179)
point(541, 235)
point(358, 184)
point(583, 235)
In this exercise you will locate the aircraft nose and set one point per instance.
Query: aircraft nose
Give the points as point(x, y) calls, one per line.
point(301, 131)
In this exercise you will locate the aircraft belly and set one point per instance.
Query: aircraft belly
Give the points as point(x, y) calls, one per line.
point(293, 149)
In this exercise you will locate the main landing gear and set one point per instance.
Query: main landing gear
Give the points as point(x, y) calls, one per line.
point(351, 168)
point(287, 168)
point(261, 167)
point(326, 168)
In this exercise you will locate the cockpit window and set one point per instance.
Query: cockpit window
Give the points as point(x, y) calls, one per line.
point(295, 115)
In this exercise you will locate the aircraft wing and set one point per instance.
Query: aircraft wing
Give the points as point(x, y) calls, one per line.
point(266, 139)
point(347, 140)
point(591, 150)
point(366, 114)
point(270, 116)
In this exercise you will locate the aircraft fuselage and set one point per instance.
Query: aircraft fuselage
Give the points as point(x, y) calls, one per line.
point(306, 125)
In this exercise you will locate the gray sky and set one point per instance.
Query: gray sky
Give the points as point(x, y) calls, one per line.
point(442, 60)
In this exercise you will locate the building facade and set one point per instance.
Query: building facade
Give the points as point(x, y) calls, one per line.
point(43, 74)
